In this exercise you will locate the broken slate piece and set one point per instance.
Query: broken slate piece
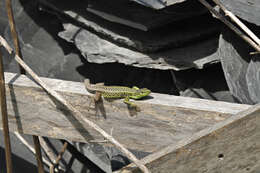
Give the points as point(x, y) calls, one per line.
point(98, 50)
point(95, 153)
point(248, 10)
point(235, 56)
point(139, 17)
point(158, 4)
point(176, 34)
point(253, 79)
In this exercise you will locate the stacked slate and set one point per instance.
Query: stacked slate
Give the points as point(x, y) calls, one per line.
point(247, 10)
point(178, 37)
point(240, 67)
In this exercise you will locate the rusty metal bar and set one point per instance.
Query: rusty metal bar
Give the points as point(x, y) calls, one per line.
point(10, 15)
point(38, 153)
point(64, 147)
point(57, 160)
point(13, 31)
point(8, 154)
point(230, 25)
point(235, 19)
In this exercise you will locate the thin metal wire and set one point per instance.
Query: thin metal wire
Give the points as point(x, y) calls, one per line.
point(57, 160)
point(38, 153)
point(230, 25)
point(8, 152)
point(13, 31)
point(238, 22)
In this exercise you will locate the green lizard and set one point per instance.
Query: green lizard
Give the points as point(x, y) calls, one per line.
point(116, 92)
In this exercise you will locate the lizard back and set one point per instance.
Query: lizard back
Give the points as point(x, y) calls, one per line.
point(110, 91)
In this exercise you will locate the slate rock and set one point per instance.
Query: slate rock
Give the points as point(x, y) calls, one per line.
point(42, 49)
point(173, 35)
point(95, 153)
point(235, 58)
point(158, 4)
point(208, 83)
point(248, 10)
point(253, 79)
point(119, 160)
point(252, 75)
point(139, 17)
point(50, 56)
point(98, 50)
point(204, 94)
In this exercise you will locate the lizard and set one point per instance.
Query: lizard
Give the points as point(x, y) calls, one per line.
point(117, 92)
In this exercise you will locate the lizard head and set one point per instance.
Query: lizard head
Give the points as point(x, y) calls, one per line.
point(140, 93)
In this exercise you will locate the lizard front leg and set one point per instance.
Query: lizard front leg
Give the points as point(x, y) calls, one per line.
point(131, 104)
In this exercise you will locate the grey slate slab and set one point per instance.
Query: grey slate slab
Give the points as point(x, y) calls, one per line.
point(98, 50)
point(253, 79)
point(235, 58)
point(139, 17)
point(95, 153)
point(158, 4)
point(176, 34)
point(248, 10)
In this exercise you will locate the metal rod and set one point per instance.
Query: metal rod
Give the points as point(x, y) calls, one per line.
point(230, 25)
point(63, 149)
point(8, 153)
point(57, 160)
point(13, 31)
point(38, 154)
point(27, 145)
point(238, 22)
point(48, 151)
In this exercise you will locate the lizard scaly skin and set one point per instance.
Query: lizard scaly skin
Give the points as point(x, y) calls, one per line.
point(117, 92)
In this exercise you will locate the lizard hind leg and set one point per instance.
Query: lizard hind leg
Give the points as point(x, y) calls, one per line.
point(97, 96)
point(95, 99)
point(128, 102)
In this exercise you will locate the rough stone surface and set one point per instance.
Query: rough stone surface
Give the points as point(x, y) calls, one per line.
point(95, 153)
point(41, 45)
point(235, 57)
point(98, 50)
point(248, 10)
point(177, 34)
point(136, 16)
point(158, 4)
point(207, 87)
point(241, 69)
point(253, 79)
